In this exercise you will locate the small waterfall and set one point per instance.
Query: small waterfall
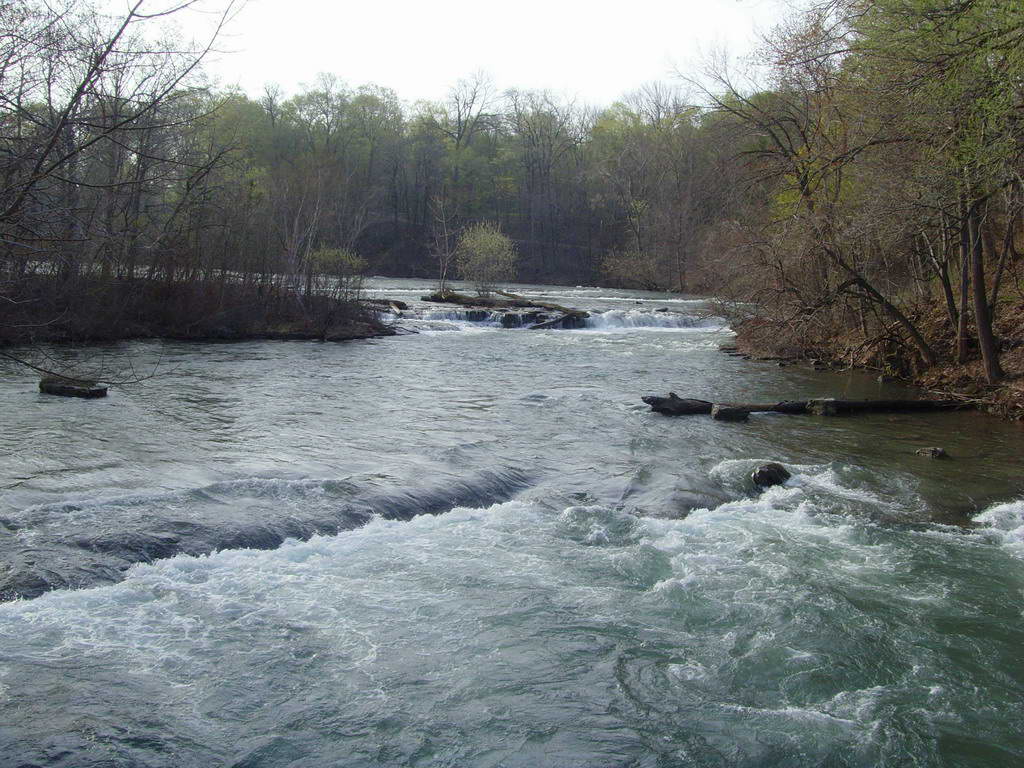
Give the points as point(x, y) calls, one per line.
point(632, 318)
point(486, 318)
point(612, 319)
point(480, 316)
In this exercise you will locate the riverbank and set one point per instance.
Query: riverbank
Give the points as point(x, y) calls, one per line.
point(97, 310)
point(761, 338)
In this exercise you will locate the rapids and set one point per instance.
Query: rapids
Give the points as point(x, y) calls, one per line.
point(473, 546)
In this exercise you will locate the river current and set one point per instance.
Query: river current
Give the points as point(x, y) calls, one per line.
point(473, 546)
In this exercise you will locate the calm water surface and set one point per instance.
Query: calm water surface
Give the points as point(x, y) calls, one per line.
point(476, 547)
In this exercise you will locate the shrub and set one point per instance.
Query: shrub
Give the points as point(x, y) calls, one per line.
point(486, 257)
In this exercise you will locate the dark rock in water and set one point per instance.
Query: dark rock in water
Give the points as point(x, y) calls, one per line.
point(886, 379)
point(770, 474)
point(661, 309)
point(932, 453)
point(58, 385)
point(568, 322)
point(528, 319)
point(729, 413)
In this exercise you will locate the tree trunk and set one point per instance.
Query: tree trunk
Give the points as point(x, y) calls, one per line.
point(942, 271)
point(965, 285)
point(1003, 256)
point(986, 339)
point(925, 350)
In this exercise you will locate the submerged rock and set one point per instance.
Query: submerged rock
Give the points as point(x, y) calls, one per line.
point(58, 385)
point(932, 453)
point(770, 474)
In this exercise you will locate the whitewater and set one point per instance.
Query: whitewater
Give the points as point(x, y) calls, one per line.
point(475, 546)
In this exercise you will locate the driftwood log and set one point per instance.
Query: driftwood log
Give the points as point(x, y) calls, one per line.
point(673, 405)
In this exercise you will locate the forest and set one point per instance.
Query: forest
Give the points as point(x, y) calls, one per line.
point(853, 190)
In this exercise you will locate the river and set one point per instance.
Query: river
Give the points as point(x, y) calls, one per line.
point(471, 546)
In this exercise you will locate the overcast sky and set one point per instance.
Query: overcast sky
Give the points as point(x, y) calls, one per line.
point(595, 51)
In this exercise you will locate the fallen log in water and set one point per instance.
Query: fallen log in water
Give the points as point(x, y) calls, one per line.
point(835, 407)
point(673, 405)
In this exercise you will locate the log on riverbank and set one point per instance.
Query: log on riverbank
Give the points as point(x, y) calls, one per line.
point(673, 405)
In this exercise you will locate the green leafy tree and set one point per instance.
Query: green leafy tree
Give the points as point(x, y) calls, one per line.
point(486, 257)
point(955, 69)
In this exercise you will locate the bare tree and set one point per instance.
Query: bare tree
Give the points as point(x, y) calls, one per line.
point(86, 101)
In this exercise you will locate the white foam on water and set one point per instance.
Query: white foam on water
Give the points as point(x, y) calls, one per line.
point(626, 319)
point(593, 295)
point(795, 517)
point(804, 716)
point(443, 610)
point(442, 327)
point(610, 321)
point(462, 316)
point(1005, 525)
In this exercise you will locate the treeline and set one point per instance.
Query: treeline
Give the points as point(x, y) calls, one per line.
point(887, 141)
point(117, 162)
point(619, 194)
point(869, 172)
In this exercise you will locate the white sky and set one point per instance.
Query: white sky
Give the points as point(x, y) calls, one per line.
point(594, 51)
